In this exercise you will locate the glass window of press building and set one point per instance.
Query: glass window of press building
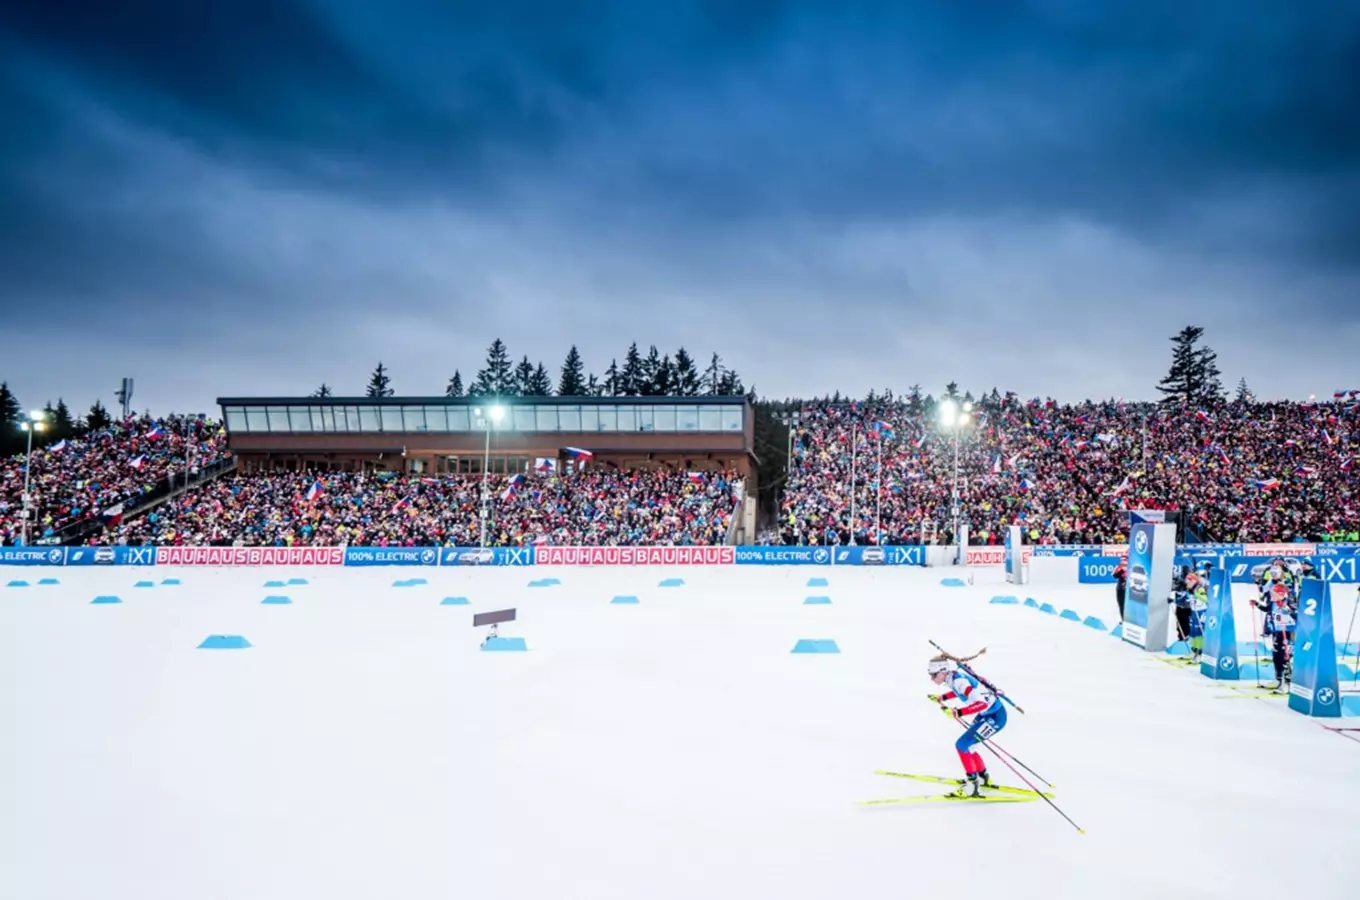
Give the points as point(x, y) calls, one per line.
point(294, 415)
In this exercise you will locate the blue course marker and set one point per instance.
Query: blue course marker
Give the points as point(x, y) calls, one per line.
point(224, 642)
point(1117, 631)
point(454, 601)
point(1048, 608)
point(1093, 622)
point(1070, 614)
point(952, 582)
point(503, 644)
point(269, 584)
point(671, 582)
point(276, 600)
point(808, 645)
point(1006, 601)
point(817, 582)
point(105, 598)
point(625, 599)
point(294, 582)
point(18, 582)
point(817, 601)
point(1031, 602)
point(48, 581)
point(145, 584)
point(170, 582)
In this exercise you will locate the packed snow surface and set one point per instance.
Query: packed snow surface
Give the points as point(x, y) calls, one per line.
point(364, 746)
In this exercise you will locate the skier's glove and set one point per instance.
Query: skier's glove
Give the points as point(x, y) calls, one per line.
point(933, 698)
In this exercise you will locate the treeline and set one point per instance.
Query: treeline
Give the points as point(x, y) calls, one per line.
point(59, 423)
point(653, 375)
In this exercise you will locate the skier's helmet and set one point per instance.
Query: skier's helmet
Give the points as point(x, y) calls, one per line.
point(936, 666)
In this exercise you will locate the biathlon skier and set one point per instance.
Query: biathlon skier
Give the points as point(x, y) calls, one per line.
point(976, 700)
point(1279, 602)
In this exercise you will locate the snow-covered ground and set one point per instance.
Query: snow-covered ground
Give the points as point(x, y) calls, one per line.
point(364, 747)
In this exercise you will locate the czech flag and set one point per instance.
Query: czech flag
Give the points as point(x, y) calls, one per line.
point(578, 453)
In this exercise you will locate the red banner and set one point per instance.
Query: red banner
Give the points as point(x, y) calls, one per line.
point(635, 556)
point(987, 556)
point(1114, 549)
point(1295, 550)
point(250, 556)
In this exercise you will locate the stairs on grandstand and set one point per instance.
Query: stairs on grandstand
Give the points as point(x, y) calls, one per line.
point(167, 489)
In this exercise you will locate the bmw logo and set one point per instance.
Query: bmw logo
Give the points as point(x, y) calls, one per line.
point(819, 556)
point(1140, 542)
point(426, 555)
point(1227, 662)
point(1326, 696)
point(1213, 622)
point(54, 555)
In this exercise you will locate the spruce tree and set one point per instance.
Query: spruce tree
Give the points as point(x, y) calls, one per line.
point(498, 375)
point(98, 417)
point(713, 376)
point(379, 385)
point(572, 383)
point(631, 378)
point(951, 391)
point(1211, 385)
point(524, 377)
point(593, 387)
point(686, 375)
point(323, 391)
point(650, 373)
point(611, 385)
point(1193, 375)
point(1244, 394)
point(665, 381)
point(729, 385)
point(540, 382)
point(455, 386)
point(63, 425)
point(10, 413)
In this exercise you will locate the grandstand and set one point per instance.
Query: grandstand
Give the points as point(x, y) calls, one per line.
point(675, 470)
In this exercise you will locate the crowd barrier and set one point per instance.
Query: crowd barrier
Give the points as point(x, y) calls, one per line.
point(1085, 564)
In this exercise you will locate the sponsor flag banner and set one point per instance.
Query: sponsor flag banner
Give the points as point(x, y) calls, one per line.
point(1219, 660)
point(1152, 555)
point(250, 556)
point(1315, 689)
point(635, 556)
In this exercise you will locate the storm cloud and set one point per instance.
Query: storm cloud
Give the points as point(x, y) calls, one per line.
point(256, 197)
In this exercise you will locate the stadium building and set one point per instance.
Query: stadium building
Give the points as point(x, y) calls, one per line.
point(461, 435)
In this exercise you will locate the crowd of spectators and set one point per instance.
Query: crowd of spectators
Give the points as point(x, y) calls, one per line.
point(1249, 472)
point(1231, 472)
point(590, 508)
point(79, 479)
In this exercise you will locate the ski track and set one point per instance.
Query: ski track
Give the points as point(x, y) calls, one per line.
point(364, 747)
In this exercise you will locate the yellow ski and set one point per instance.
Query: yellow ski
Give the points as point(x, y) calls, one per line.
point(936, 779)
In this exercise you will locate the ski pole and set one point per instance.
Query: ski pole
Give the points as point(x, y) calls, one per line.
point(1255, 651)
point(1348, 636)
point(983, 681)
point(1001, 749)
point(988, 744)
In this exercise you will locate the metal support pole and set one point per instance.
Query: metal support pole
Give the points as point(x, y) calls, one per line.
point(28, 472)
point(486, 473)
point(878, 496)
point(854, 451)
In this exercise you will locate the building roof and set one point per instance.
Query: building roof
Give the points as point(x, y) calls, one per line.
point(479, 401)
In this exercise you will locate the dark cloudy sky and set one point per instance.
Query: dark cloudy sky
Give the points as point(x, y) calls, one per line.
point(253, 197)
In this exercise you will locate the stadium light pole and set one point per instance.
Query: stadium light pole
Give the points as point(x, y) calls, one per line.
point(790, 421)
point(954, 418)
point(490, 417)
point(33, 422)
